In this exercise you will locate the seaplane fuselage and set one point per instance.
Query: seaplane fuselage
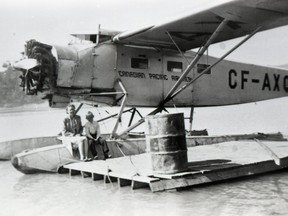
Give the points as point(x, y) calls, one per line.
point(90, 73)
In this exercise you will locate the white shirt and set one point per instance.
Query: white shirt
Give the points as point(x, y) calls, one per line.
point(93, 128)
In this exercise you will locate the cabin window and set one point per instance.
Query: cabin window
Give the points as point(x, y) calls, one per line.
point(173, 66)
point(139, 63)
point(202, 67)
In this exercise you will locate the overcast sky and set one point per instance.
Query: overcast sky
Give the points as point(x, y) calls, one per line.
point(52, 21)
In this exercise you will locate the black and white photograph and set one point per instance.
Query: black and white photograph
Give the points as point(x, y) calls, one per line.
point(147, 107)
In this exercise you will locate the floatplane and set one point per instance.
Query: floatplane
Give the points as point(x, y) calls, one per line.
point(156, 67)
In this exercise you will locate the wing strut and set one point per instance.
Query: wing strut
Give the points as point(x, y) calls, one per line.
point(197, 58)
point(208, 68)
point(173, 91)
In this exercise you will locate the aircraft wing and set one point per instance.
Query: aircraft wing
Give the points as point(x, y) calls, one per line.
point(191, 31)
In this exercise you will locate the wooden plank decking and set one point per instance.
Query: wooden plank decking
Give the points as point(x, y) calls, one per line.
point(207, 164)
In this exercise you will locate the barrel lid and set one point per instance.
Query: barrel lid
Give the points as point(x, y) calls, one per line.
point(164, 115)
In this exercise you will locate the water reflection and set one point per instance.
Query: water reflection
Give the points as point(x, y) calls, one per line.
point(60, 194)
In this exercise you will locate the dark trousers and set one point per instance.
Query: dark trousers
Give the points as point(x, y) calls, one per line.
point(99, 148)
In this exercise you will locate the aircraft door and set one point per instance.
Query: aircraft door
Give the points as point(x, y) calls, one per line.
point(140, 70)
point(104, 67)
point(173, 67)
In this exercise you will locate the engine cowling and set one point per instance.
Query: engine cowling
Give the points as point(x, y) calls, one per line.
point(56, 71)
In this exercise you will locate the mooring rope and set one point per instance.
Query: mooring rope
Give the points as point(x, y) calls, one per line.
point(108, 176)
point(130, 159)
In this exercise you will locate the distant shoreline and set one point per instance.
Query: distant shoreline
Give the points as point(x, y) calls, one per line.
point(26, 108)
point(33, 108)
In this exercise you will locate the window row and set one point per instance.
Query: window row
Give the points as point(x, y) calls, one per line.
point(172, 66)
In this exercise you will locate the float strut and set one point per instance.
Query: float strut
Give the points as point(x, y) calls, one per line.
point(132, 116)
point(78, 108)
point(114, 135)
point(191, 119)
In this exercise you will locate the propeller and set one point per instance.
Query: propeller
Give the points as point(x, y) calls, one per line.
point(26, 65)
point(38, 68)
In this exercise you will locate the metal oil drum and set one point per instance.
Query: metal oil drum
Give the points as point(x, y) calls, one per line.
point(166, 142)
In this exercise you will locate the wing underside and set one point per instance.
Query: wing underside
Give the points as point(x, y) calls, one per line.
point(193, 30)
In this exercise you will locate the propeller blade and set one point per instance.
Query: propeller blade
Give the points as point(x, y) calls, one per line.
point(26, 64)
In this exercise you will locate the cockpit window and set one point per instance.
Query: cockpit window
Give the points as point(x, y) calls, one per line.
point(139, 63)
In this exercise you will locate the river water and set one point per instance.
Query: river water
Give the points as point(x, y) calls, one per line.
point(60, 194)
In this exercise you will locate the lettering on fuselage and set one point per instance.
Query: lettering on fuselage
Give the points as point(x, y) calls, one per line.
point(270, 82)
point(158, 76)
point(186, 79)
point(153, 76)
point(132, 74)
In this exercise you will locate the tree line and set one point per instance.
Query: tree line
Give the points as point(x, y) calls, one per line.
point(11, 94)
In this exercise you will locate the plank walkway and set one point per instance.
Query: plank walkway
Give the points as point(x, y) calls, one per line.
point(206, 164)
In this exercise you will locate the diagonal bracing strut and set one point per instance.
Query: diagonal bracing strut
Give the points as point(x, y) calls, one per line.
point(209, 68)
